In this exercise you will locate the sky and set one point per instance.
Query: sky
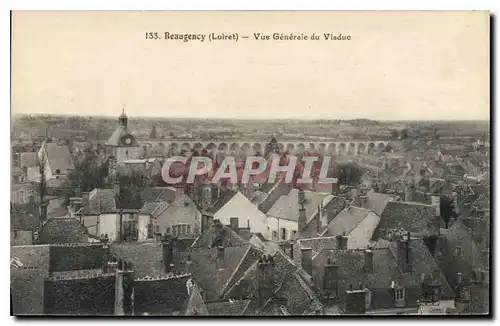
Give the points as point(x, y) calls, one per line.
point(397, 65)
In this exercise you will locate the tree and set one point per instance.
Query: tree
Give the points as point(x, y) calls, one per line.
point(447, 210)
point(90, 172)
point(349, 174)
point(153, 134)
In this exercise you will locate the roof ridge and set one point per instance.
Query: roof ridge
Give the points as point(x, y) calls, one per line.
point(161, 278)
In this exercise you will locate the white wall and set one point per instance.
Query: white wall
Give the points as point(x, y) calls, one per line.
point(275, 224)
point(108, 224)
point(239, 206)
point(142, 226)
point(360, 237)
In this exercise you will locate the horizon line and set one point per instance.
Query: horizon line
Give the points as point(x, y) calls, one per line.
point(244, 117)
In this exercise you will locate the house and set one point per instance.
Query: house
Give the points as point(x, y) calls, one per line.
point(57, 163)
point(463, 253)
point(24, 219)
point(83, 279)
point(291, 212)
point(233, 204)
point(274, 283)
point(217, 259)
point(27, 278)
point(420, 219)
point(358, 224)
point(390, 278)
point(319, 221)
point(159, 210)
point(62, 230)
point(21, 193)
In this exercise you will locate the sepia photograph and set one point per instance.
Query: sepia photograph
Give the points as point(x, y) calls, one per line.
point(250, 163)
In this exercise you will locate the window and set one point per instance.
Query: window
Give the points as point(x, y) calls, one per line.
point(22, 198)
point(458, 251)
point(150, 231)
point(283, 234)
point(130, 231)
point(400, 294)
point(58, 171)
point(275, 235)
point(183, 229)
point(189, 229)
point(294, 232)
point(167, 230)
point(16, 234)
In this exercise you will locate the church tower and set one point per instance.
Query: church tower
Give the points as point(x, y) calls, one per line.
point(122, 145)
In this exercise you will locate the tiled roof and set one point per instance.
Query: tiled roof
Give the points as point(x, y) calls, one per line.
point(211, 274)
point(218, 235)
point(59, 157)
point(377, 201)
point(417, 218)
point(102, 201)
point(424, 263)
point(287, 206)
point(289, 283)
point(153, 208)
point(221, 202)
point(23, 217)
point(63, 230)
point(351, 272)
point(347, 220)
point(227, 308)
point(317, 245)
point(27, 281)
point(156, 194)
point(146, 257)
point(119, 136)
point(161, 296)
point(332, 206)
point(181, 210)
point(195, 305)
point(273, 194)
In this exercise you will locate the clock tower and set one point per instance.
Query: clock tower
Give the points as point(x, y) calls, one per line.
point(122, 145)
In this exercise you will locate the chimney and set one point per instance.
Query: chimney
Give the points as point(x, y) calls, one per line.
point(342, 242)
point(106, 258)
point(168, 255)
point(112, 265)
point(354, 301)
point(302, 197)
point(368, 261)
point(435, 202)
point(409, 192)
point(220, 257)
point(117, 189)
point(85, 201)
point(302, 222)
point(455, 202)
point(124, 289)
point(404, 255)
point(306, 259)
point(331, 279)
point(234, 224)
point(335, 188)
point(265, 279)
